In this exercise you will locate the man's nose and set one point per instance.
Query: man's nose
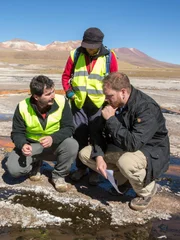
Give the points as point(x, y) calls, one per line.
point(53, 95)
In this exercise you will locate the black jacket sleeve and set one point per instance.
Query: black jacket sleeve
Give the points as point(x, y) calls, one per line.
point(18, 134)
point(66, 126)
point(97, 137)
point(140, 132)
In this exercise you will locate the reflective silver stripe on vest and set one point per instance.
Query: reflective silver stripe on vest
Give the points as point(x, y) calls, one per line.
point(90, 91)
point(79, 88)
point(94, 91)
point(80, 74)
point(96, 77)
point(91, 76)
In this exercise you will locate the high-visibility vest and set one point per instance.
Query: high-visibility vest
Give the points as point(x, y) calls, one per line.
point(84, 84)
point(34, 128)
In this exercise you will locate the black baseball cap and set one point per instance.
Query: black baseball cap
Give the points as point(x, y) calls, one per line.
point(93, 38)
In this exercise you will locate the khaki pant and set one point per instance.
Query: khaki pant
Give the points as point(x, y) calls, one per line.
point(126, 165)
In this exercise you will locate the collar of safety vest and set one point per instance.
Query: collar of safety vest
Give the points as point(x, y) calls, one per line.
point(103, 51)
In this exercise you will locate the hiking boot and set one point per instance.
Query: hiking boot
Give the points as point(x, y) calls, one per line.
point(60, 184)
point(122, 188)
point(78, 174)
point(35, 174)
point(94, 179)
point(141, 203)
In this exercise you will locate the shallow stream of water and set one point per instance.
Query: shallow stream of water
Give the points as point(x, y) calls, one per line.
point(84, 222)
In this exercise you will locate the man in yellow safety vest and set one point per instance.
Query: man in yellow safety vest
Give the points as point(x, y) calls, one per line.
point(42, 126)
point(82, 81)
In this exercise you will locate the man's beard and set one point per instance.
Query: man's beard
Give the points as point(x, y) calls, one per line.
point(44, 105)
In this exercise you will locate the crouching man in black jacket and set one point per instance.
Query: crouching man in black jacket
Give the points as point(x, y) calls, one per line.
point(134, 138)
point(42, 126)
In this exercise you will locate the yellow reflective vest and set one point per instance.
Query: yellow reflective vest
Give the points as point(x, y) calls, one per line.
point(34, 128)
point(84, 84)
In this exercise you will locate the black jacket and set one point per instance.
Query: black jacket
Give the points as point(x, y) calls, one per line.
point(140, 125)
point(18, 134)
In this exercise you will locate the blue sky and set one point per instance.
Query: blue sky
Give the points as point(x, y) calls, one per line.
point(151, 26)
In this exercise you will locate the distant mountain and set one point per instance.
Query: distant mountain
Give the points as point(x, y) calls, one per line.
point(19, 44)
point(22, 45)
point(62, 46)
point(138, 58)
point(129, 55)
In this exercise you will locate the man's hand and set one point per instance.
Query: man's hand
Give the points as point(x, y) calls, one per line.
point(108, 112)
point(101, 166)
point(46, 141)
point(73, 97)
point(27, 150)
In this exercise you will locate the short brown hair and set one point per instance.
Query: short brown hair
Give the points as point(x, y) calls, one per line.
point(38, 83)
point(117, 81)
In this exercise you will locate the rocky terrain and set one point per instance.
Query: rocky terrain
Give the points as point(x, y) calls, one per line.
point(85, 211)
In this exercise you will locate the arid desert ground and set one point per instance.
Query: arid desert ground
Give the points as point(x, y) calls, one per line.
point(166, 91)
point(14, 85)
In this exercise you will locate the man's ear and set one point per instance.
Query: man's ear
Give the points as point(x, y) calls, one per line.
point(36, 97)
point(123, 90)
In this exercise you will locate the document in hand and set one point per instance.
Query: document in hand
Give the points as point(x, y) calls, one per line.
point(110, 177)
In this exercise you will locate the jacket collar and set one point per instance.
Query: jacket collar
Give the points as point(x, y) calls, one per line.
point(103, 51)
point(131, 99)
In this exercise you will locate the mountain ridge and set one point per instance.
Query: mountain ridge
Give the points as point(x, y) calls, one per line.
point(129, 55)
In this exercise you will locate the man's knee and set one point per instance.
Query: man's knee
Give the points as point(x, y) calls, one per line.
point(70, 146)
point(129, 162)
point(17, 164)
point(13, 170)
point(85, 154)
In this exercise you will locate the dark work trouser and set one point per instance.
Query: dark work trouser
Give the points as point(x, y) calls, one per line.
point(83, 120)
point(64, 155)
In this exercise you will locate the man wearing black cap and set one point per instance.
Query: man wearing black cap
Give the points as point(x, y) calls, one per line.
point(82, 81)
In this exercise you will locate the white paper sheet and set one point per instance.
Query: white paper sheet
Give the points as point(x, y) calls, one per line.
point(111, 179)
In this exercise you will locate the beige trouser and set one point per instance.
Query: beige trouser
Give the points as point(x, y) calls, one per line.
point(126, 165)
